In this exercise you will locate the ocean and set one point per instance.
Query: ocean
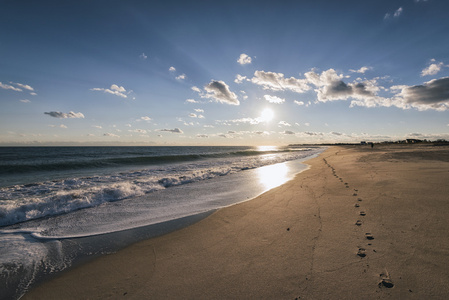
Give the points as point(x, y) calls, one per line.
point(62, 205)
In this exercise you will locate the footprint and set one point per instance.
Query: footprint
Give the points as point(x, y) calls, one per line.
point(385, 280)
point(369, 236)
point(358, 223)
point(355, 194)
point(361, 252)
point(360, 199)
point(356, 205)
point(362, 213)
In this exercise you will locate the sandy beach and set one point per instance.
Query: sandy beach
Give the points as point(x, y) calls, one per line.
point(361, 223)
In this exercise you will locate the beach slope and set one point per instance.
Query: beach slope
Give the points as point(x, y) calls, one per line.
point(361, 223)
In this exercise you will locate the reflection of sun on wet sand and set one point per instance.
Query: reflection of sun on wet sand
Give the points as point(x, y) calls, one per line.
point(299, 239)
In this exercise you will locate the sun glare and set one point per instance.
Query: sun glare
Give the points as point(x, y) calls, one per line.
point(267, 115)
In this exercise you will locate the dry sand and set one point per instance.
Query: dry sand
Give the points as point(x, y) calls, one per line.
point(299, 240)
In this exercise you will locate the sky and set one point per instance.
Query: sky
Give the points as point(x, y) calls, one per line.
point(223, 72)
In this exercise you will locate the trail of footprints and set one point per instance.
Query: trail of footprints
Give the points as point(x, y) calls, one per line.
point(385, 279)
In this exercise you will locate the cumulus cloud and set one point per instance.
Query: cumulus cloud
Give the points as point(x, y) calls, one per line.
point(202, 136)
point(300, 103)
point(362, 70)
point(114, 90)
point(432, 69)
point(239, 78)
point(199, 110)
point(433, 94)
point(61, 115)
point(193, 115)
point(192, 101)
point(172, 69)
point(283, 123)
point(220, 92)
point(330, 86)
point(274, 99)
point(277, 82)
point(175, 130)
point(244, 59)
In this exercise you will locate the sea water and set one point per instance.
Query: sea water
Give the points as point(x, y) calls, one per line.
point(59, 205)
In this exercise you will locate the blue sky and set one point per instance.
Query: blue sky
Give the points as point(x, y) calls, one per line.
point(222, 73)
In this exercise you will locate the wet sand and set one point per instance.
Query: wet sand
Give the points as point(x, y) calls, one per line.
point(361, 223)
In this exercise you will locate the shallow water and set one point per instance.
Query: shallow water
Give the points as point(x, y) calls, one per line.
point(33, 250)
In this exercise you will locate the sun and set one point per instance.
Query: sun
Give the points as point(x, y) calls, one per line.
point(267, 115)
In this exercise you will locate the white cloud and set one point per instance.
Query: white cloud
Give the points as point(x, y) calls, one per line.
point(276, 82)
point(196, 89)
point(143, 56)
point(252, 121)
point(202, 136)
point(114, 90)
point(288, 132)
point(192, 115)
point(244, 59)
point(330, 86)
point(9, 87)
point(283, 123)
point(192, 101)
point(143, 131)
point(432, 69)
point(298, 102)
point(24, 86)
point(25, 101)
point(362, 70)
point(199, 110)
point(61, 115)
point(33, 94)
point(220, 91)
point(172, 69)
point(111, 135)
point(239, 78)
point(433, 94)
point(274, 99)
point(336, 133)
point(62, 126)
point(398, 12)
point(145, 118)
point(181, 77)
point(176, 130)
point(97, 126)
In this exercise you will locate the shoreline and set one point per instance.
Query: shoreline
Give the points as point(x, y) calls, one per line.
point(299, 240)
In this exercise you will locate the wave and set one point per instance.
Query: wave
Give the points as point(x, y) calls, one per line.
point(99, 162)
point(22, 203)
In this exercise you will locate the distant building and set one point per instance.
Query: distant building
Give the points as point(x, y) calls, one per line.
point(413, 141)
point(362, 143)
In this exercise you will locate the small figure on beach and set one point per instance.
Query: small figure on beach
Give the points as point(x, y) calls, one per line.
point(372, 145)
